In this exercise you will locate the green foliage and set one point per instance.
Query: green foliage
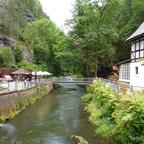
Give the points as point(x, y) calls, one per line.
point(99, 32)
point(6, 57)
point(121, 118)
point(91, 27)
point(18, 53)
point(28, 66)
point(51, 47)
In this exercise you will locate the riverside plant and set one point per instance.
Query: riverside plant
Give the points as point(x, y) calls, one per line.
point(12, 109)
point(120, 117)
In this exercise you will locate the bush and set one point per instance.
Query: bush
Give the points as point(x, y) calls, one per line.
point(6, 57)
point(28, 66)
point(115, 117)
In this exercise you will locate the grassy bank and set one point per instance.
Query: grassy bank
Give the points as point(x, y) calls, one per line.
point(120, 117)
point(20, 103)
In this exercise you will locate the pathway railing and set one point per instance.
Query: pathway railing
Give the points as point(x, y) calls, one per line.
point(116, 85)
point(6, 86)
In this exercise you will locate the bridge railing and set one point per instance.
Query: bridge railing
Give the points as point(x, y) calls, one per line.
point(72, 80)
point(6, 87)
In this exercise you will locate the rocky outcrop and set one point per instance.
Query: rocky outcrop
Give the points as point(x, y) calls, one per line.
point(29, 16)
point(11, 44)
point(3, 9)
point(10, 26)
point(6, 41)
point(14, 15)
point(27, 54)
point(79, 139)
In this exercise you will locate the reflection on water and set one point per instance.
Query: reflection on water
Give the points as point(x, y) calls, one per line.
point(51, 121)
point(7, 135)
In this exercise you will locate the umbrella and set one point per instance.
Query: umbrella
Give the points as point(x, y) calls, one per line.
point(21, 72)
point(46, 73)
point(40, 73)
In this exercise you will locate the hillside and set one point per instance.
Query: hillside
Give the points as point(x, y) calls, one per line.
point(14, 16)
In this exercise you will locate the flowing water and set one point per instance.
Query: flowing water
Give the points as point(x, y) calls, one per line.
point(53, 120)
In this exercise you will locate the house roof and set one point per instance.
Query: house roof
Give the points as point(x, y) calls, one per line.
point(138, 33)
point(124, 62)
point(21, 72)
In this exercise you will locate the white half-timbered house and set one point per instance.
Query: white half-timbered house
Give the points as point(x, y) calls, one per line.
point(133, 71)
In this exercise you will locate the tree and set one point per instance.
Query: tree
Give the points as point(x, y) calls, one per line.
point(91, 27)
point(50, 45)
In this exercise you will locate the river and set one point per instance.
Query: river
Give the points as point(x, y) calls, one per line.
point(51, 121)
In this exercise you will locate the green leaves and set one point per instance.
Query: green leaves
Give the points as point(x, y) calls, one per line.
point(94, 30)
point(6, 57)
point(51, 47)
point(118, 117)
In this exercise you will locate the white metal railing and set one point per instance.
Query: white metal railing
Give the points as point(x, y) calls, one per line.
point(116, 85)
point(73, 80)
point(6, 86)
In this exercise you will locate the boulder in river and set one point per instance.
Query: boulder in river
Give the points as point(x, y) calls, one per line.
point(79, 139)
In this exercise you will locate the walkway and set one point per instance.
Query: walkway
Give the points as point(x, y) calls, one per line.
point(7, 87)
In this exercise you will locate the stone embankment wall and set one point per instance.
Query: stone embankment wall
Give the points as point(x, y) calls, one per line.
point(13, 103)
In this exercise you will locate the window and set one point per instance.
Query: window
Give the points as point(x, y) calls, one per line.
point(137, 45)
point(125, 71)
point(141, 53)
point(142, 44)
point(133, 47)
point(137, 54)
point(133, 55)
point(136, 70)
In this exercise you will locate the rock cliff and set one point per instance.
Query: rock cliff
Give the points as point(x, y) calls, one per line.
point(14, 15)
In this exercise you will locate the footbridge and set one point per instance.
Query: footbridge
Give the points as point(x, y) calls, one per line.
point(70, 80)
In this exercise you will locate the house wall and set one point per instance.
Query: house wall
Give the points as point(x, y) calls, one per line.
point(137, 49)
point(137, 74)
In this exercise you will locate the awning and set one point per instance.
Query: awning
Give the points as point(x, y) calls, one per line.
point(41, 73)
point(21, 72)
point(47, 73)
point(6, 78)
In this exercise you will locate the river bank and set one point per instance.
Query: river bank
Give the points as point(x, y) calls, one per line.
point(118, 116)
point(13, 103)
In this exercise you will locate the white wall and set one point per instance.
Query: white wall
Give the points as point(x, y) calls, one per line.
point(137, 80)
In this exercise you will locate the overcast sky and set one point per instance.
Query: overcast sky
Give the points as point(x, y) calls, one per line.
point(58, 10)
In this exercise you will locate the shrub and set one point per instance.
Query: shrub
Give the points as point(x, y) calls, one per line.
point(6, 57)
point(121, 118)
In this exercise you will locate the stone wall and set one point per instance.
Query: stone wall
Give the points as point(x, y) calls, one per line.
point(14, 102)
